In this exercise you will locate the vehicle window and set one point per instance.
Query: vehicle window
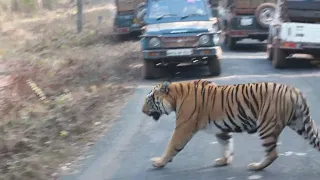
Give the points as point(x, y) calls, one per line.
point(176, 8)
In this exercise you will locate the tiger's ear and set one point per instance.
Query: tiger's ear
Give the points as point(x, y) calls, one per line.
point(165, 87)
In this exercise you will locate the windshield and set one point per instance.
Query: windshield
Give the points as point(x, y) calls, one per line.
point(176, 8)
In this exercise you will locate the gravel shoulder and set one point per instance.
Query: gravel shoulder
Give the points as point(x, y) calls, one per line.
point(60, 91)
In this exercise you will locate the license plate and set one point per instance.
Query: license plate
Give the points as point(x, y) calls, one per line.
point(123, 30)
point(246, 21)
point(179, 52)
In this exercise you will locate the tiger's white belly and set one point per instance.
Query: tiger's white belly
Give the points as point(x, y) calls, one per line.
point(224, 124)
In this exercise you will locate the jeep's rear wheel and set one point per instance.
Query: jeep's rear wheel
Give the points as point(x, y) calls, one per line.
point(279, 58)
point(270, 46)
point(269, 52)
point(214, 66)
point(231, 42)
point(149, 69)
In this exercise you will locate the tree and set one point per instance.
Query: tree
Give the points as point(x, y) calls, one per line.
point(79, 15)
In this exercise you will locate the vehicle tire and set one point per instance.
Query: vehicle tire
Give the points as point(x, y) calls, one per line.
point(231, 42)
point(225, 42)
point(214, 66)
point(140, 12)
point(270, 45)
point(138, 8)
point(264, 14)
point(141, 16)
point(279, 58)
point(269, 53)
point(149, 70)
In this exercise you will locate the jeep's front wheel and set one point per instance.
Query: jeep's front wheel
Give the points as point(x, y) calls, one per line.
point(214, 66)
point(149, 69)
point(279, 58)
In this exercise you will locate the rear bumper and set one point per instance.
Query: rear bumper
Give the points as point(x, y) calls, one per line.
point(126, 30)
point(248, 34)
point(200, 52)
point(304, 48)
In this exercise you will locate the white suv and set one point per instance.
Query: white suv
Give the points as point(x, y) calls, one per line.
point(295, 29)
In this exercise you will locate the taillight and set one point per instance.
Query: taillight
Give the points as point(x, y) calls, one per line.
point(289, 44)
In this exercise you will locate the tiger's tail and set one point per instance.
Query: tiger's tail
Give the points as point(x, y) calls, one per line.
point(303, 123)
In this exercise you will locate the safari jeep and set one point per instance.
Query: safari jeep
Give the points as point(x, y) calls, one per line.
point(245, 19)
point(180, 31)
point(295, 29)
point(129, 16)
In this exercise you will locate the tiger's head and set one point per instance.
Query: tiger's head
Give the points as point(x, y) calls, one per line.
point(158, 101)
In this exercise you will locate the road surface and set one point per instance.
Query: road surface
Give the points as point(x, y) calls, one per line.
point(124, 153)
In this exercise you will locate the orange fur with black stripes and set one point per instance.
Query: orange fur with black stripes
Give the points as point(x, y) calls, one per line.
point(265, 108)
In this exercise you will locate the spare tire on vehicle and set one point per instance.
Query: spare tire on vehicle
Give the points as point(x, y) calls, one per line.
point(140, 13)
point(264, 14)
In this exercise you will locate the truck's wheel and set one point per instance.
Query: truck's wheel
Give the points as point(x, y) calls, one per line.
point(264, 14)
point(214, 66)
point(279, 58)
point(269, 52)
point(149, 70)
point(231, 43)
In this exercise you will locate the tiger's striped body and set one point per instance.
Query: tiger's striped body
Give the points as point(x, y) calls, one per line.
point(265, 108)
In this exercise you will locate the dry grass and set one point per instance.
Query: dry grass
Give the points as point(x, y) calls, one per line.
point(83, 78)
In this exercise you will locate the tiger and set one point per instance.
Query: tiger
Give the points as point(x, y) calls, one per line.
point(265, 108)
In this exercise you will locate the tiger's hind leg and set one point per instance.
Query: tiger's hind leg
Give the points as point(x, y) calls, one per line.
point(226, 142)
point(269, 134)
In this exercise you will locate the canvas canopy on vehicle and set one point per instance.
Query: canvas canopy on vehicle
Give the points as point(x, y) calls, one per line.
point(300, 11)
point(128, 5)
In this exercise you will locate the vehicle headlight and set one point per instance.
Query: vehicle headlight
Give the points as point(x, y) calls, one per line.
point(204, 39)
point(216, 39)
point(154, 42)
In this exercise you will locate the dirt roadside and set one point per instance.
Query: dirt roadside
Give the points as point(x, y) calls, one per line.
point(60, 91)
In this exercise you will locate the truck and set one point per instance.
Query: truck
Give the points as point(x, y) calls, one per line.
point(180, 32)
point(129, 16)
point(295, 29)
point(245, 19)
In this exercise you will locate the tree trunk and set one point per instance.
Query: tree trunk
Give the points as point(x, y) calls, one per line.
point(40, 4)
point(79, 15)
point(47, 4)
point(14, 5)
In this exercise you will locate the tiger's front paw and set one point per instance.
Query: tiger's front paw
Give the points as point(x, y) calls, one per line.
point(223, 161)
point(255, 167)
point(158, 162)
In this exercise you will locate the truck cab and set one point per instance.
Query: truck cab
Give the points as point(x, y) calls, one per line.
point(295, 29)
point(180, 31)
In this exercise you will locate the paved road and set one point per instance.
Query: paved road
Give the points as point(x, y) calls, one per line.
point(124, 153)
